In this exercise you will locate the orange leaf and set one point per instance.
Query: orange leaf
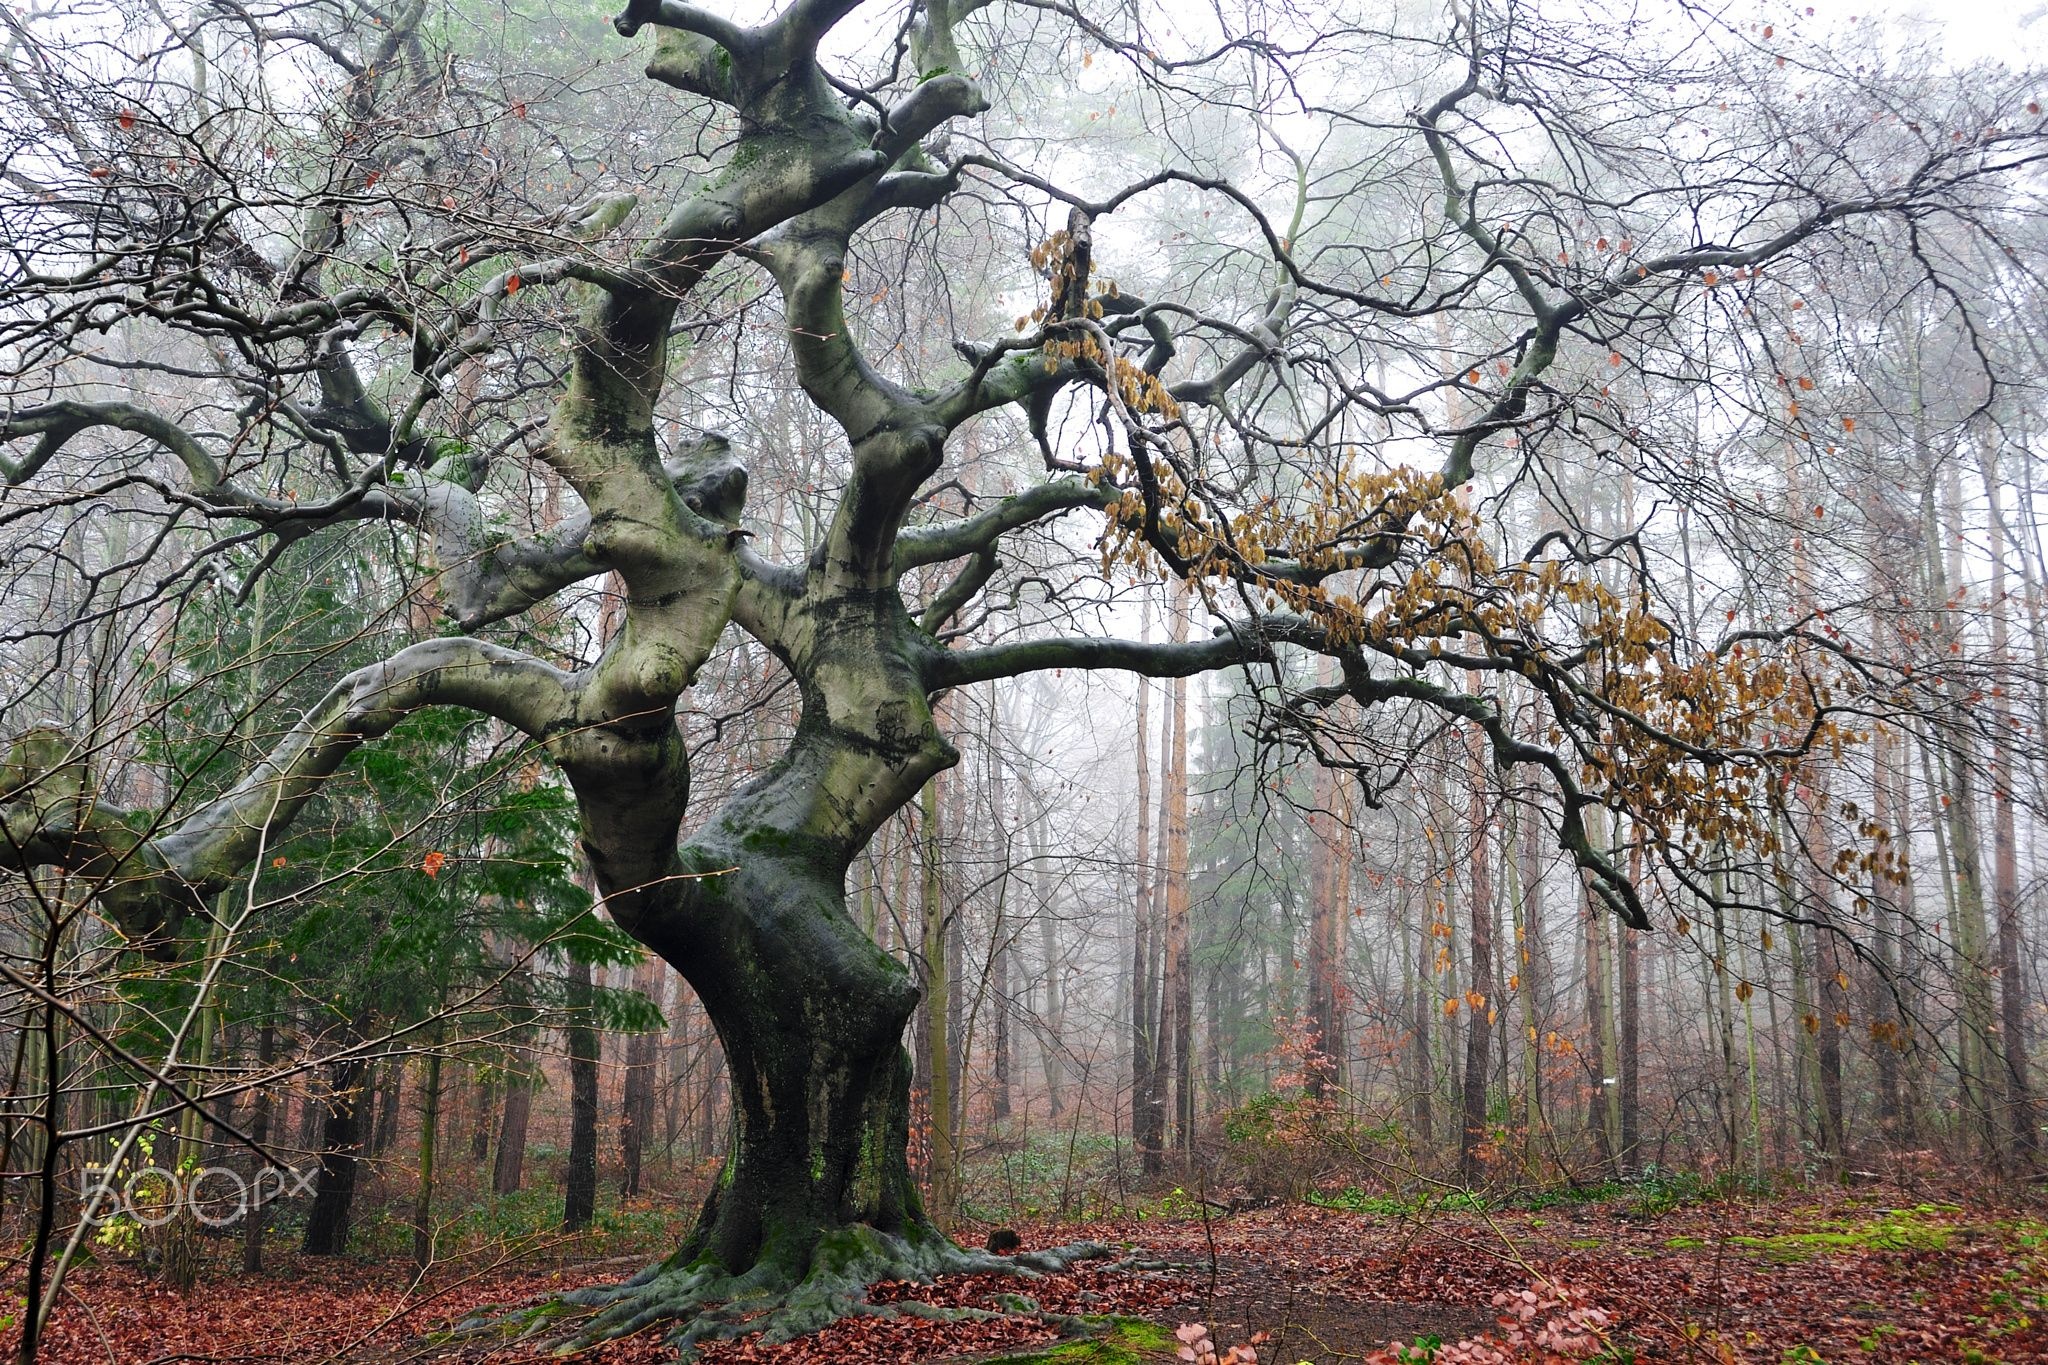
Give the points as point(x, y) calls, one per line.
point(512, 283)
point(433, 863)
point(1848, 424)
point(127, 119)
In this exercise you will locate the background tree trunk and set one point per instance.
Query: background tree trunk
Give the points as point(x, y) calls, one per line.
point(334, 1188)
point(1480, 1011)
point(579, 1180)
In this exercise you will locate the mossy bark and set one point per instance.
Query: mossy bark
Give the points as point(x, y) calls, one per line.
point(812, 1018)
point(811, 1014)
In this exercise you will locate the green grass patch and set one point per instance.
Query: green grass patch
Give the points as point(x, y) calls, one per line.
point(1355, 1200)
point(1122, 1341)
point(1892, 1230)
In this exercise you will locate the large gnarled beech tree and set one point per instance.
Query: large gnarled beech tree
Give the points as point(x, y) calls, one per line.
point(1297, 535)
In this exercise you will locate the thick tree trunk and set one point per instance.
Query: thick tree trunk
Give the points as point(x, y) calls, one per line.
point(811, 1014)
point(334, 1190)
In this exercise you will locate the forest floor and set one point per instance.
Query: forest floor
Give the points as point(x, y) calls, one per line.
point(1831, 1276)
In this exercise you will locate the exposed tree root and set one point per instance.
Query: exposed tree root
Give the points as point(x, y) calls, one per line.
point(704, 1302)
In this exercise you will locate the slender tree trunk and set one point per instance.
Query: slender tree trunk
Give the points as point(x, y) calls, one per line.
point(959, 1037)
point(1601, 1120)
point(255, 1214)
point(2005, 848)
point(1422, 1014)
point(636, 1121)
point(511, 1162)
point(1481, 1012)
point(1887, 1023)
point(430, 1123)
point(1805, 1019)
point(936, 1052)
point(1003, 966)
point(579, 1189)
point(45, 1150)
point(1970, 961)
point(1529, 980)
point(484, 1098)
point(1629, 1099)
point(636, 1113)
point(1329, 895)
point(390, 1088)
point(1179, 981)
point(1720, 995)
point(1148, 1114)
point(1052, 1016)
point(1834, 1013)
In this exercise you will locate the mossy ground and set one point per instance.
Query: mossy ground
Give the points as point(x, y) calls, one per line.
point(1120, 1341)
point(1892, 1230)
